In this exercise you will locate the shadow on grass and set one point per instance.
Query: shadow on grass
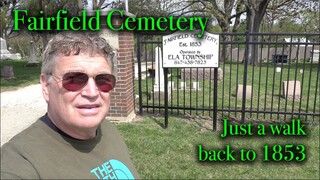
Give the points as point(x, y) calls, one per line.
point(158, 121)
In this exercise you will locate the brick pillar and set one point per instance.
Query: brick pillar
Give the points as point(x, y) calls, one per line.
point(122, 97)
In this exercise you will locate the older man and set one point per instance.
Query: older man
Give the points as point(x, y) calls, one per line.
point(72, 140)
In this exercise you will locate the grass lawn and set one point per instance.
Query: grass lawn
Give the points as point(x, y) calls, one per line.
point(23, 76)
point(267, 92)
point(172, 153)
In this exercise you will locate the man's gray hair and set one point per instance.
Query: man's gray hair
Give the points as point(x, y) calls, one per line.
point(75, 43)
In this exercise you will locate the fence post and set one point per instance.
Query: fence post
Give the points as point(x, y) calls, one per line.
point(215, 99)
point(245, 71)
point(166, 98)
point(139, 74)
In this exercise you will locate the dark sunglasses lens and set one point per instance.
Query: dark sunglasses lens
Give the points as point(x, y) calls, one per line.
point(74, 81)
point(105, 82)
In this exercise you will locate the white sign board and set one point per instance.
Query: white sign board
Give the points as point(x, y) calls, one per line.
point(185, 49)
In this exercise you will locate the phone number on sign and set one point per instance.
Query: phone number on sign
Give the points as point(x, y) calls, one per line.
point(190, 62)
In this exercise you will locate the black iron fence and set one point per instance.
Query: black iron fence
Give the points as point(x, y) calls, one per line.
point(269, 77)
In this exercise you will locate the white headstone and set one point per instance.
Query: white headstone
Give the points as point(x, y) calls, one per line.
point(170, 84)
point(195, 85)
point(183, 85)
point(159, 74)
point(4, 48)
point(315, 55)
point(5, 54)
point(33, 52)
point(278, 69)
point(33, 55)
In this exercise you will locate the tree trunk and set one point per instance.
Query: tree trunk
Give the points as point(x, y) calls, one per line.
point(226, 49)
point(253, 26)
point(21, 50)
point(44, 40)
point(44, 35)
point(225, 26)
point(80, 4)
point(255, 12)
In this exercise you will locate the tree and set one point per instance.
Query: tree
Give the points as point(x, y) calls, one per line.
point(276, 10)
point(151, 7)
point(99, 4)
point(6, 7)
point(220, 11)
point(226, 13)
point(310, 21)
point(297, 11)
point(255, 10)
point(49, 8)
point(21, 44)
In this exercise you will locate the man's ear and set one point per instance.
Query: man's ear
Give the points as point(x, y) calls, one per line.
point(44, 85)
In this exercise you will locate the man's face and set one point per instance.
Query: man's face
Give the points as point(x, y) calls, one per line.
point(77, 113)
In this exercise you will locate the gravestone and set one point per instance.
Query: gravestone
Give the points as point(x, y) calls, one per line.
point(183, 85)
point(240, 91)
point(34, 60)
point(291, 90)
point(4, 48)
point(158, 88)
point(195, 86)
point(200, 73)
point(5, 54)
point(7, 72)
point(159, 74)
point(314, 55)
point(171, 85)
point(278, 69)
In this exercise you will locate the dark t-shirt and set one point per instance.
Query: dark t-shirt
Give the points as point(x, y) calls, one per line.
point(44, 152)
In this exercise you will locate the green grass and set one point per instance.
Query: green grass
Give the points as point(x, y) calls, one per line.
point(23, 76)
point(267, 97)
point(172, 153)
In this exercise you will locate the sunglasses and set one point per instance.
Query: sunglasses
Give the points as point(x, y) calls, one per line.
point(74, 81)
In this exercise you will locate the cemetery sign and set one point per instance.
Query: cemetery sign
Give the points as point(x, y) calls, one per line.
point(186, 49)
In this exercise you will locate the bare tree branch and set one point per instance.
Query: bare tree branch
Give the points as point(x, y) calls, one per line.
point(186, 7)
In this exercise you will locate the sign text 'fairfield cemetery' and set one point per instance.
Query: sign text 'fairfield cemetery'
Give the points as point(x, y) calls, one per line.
point(186, 49)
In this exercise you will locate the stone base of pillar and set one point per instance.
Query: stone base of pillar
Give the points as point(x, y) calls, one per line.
point(129, 118)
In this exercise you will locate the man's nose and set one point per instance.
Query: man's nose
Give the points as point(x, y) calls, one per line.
point(90, 89)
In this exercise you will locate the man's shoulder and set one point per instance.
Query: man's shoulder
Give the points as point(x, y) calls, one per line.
point(109, 125)
point(15, 154)
point(27, 135)
point(111, 134)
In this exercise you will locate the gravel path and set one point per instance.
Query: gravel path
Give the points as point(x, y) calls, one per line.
point(19, 109)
